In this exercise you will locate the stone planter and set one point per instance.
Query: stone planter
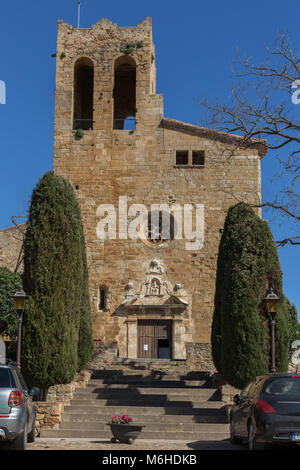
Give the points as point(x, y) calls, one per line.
point(126, 433)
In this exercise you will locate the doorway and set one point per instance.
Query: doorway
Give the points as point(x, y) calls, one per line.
point(155, 339)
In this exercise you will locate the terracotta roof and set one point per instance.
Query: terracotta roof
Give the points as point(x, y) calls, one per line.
point(172, 124)
point(14, 227)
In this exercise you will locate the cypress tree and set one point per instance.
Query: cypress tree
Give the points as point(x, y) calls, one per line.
point(247, 265)
point(54, 277)
point(293, 325)
point(85, 341)
point(10, 283)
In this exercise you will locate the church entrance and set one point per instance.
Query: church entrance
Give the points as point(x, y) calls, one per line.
point(155, 339)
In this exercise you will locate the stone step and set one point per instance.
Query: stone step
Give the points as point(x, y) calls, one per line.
point(138, 401)
point(172, 404)
point(199, 427)
point(102, 417)
point(156, 435)
point(206, 408)
point(159, 375)
point(147, 383)
point(149, 362)
point(152, 393)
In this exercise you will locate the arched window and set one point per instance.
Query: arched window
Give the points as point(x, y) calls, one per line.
point(83, 94)
point(125, 93)
point(102, 298)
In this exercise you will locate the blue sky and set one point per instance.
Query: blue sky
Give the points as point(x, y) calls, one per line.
point(196, 42)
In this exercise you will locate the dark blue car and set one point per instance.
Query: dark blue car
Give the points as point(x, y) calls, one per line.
point(267, 411)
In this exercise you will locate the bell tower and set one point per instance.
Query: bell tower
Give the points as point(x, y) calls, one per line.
point(105, 81)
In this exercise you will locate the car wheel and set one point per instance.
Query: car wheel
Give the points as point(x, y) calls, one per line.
point(252, 444)
point(31, 435)
point(233, 438)
point(21, 441)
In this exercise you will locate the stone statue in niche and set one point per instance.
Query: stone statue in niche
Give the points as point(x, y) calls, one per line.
point(155, 287)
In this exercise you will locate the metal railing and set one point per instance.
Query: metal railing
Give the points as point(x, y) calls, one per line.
point(125, 123)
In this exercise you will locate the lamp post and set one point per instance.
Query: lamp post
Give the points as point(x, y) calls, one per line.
point(20, 300)
point(272, 301)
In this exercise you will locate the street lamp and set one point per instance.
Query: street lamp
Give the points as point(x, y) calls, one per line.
point(272, 301)
point(19, 301)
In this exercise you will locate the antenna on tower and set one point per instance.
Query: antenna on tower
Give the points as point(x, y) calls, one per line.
point(79, 5)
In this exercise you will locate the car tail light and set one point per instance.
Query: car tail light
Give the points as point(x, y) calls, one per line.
point(264, 407)
point(15, 398)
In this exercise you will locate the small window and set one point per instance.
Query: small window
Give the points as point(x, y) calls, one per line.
point(160, 228)
point(182, 157)
point(102, 298)
point(198, 157)
point(21, 380)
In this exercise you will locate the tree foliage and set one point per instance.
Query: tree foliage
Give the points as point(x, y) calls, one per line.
point(85, 343)
point(293, 325)
point(247, 265)
point(10, 283)
point(55, 277)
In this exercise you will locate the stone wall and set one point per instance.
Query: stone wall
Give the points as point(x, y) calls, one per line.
point(199, 357)
point(49, 415)
point(105, 354)
point(64, 392)
point(11, 241)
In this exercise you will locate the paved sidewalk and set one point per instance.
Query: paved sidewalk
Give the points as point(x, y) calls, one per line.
point(140, 444)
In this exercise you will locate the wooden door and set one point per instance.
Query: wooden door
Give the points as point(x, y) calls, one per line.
point(155, 339)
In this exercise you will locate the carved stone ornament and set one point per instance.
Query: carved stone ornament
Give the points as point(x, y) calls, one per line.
point(156, 291)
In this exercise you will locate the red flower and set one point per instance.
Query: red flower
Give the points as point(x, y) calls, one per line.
point(121, 420)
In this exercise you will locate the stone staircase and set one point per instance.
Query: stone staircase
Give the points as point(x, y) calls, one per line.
point(171, 402)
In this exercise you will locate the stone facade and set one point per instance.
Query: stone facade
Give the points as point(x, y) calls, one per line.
point(107, 164)
point(11, 242)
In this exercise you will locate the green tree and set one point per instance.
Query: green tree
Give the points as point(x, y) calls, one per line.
point(55, 277)
point(10, 283)
point(85, 341)
point(247, 265)
point(293, 325)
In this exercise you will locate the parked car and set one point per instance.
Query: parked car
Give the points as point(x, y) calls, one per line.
point(267, 411)
point(17, 409)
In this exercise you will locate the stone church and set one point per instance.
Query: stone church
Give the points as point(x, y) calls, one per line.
point(152, 295)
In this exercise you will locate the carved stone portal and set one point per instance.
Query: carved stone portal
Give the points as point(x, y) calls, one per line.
point(156, 300)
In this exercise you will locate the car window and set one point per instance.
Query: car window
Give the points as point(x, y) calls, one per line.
point(282, 387)
point(5, 378)
point(12, 379)
point(21, 380)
